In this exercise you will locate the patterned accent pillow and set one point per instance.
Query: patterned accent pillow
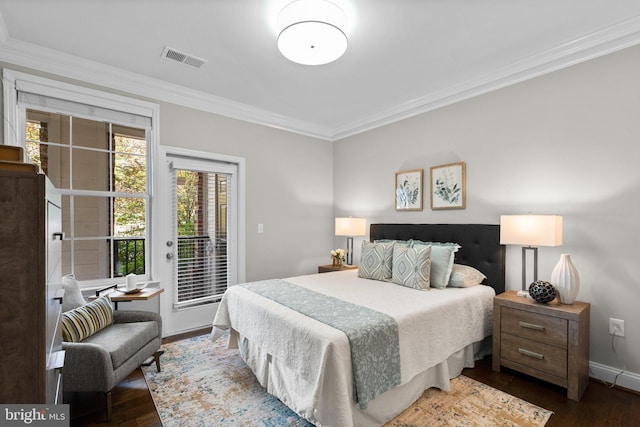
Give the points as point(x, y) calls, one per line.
point(412, 266)
point(465, 276)
point(442, 256)
point(376, 260)
point(82, 322)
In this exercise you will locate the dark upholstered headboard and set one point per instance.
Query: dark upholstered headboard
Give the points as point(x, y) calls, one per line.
point(480, 243)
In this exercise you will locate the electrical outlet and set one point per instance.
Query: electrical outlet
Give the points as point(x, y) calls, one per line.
point(616, 327)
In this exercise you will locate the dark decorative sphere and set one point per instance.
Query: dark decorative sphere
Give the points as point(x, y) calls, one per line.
point(542, 291)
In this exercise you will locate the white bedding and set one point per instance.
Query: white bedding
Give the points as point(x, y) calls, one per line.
point(307, 363)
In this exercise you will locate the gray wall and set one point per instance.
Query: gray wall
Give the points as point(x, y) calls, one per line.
point(566, 143)
point(289, 187)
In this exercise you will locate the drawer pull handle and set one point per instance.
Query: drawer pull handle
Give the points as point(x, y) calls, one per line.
point(532, 326)
point(531, 353)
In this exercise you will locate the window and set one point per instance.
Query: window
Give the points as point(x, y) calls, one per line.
point(97, 149)
point(201, 223)
point(101, 170)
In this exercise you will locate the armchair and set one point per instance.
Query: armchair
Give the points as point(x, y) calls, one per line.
point(98, 362)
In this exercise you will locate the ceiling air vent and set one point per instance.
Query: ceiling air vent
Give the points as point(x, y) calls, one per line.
point(185, 58)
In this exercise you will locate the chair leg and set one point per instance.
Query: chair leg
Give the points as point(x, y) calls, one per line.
point(156, 357)
point(107, 396)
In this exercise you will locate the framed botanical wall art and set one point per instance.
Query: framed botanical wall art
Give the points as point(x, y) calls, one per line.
point(448, 186)
point(409, 190)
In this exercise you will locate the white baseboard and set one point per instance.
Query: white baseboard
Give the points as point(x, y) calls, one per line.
point(606, 373)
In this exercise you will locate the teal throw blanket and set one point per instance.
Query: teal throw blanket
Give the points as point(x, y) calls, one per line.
point(373, 336)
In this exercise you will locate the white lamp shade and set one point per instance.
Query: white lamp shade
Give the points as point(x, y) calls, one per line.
point(351, 227)
point(312, 32)
point(531, 230)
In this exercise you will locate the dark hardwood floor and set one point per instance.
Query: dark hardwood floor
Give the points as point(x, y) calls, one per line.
point(599, 406)
point(131, 404)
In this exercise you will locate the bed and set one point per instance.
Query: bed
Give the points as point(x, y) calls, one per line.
point(308, 364)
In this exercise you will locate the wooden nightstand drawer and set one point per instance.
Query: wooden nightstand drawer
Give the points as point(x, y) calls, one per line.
point(534, 354)
point(548, 341)
point(546, 329)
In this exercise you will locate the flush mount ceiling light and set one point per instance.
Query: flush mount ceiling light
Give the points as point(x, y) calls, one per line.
point(312, 32)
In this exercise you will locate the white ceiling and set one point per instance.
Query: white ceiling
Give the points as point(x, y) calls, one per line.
point(404, 56)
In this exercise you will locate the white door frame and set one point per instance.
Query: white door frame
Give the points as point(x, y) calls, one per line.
point(179, 321)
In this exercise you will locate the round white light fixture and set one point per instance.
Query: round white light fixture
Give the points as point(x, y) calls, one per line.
point(312, 32)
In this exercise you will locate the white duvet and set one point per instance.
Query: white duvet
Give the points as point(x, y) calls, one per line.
point(307, 364)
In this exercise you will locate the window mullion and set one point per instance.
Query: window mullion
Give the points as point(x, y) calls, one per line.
point(112, 231)
point(72, 209)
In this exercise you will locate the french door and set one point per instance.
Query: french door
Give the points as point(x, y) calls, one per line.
point(201, 249)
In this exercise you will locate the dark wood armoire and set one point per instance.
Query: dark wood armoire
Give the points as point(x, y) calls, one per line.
point(31, 356)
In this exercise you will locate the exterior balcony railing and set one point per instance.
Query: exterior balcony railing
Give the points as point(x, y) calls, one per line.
point(201, 266)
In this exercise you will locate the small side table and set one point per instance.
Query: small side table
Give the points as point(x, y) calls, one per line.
point(121, 296)
point(328, 268)
point(547, 341)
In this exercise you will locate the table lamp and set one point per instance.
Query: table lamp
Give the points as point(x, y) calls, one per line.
point(351, 227)
point(530, 231)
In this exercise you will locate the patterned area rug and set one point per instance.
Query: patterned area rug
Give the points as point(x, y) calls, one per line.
point(470, 403)
point(204, 384)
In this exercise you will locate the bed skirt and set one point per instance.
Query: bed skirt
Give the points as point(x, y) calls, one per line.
point(324, 406)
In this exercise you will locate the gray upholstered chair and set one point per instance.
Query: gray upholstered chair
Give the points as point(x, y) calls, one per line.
point(100, 361)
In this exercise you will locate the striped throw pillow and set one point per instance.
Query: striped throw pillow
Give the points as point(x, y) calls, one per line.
point(84, 321)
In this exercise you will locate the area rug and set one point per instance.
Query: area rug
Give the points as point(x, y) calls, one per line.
point(204, 384)
point(470, 403)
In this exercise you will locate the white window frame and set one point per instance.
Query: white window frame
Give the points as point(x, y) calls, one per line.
point(193, 159)
point(15, 131)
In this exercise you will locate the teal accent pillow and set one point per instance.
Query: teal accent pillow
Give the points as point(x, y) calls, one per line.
point(375, 260)
point(402, 242)
point(412, 266)
point(442, 256)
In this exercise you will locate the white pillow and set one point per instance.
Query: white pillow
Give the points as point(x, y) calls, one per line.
point(72, 295)
point(464, 276)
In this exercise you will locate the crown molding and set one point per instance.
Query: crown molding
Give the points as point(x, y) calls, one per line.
point(604, 41)
point(51, 61)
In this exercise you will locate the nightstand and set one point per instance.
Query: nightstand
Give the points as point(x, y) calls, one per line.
point(328, 268)
point(547, 341)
